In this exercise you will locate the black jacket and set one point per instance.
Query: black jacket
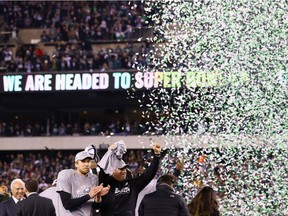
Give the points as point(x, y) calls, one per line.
point(163, 202)
point(122, 196)
point(8, 208)
point(35, 205)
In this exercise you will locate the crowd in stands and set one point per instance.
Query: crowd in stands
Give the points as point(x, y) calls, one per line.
point(14, 129)
point(72, 28)
point(72, 58)
point(76, 20)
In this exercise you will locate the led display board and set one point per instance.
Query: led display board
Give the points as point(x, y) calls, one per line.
point(118, 80)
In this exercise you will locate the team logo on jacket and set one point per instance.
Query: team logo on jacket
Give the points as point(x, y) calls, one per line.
point(81, 191)
point(123, 191)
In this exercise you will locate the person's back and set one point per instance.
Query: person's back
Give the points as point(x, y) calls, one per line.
point(150, 188)
point(35, 205)
point(52, 194)
point(163, 201)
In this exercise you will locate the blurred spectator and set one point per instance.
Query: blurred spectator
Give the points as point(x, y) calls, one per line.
point(52, 34)
point(44, 37)
point(204, 203)
point(4, 194)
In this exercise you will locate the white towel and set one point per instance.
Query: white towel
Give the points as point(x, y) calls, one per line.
point(113, 158)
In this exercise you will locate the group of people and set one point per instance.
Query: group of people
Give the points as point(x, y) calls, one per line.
point(72, 27)
point(25, 200)
point(29, 58)
point(28, 128)
point(70, 21)
point(107, 188)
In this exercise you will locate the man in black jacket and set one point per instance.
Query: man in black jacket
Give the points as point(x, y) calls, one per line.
point(163, 201)
point(151, 187)
point(122, 196)
point(35, 205)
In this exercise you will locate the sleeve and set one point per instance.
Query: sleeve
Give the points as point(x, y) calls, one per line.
point(103, 178)
point(143, 180)
point(2, 209)
point(63, 182)
point(183, 209)
point(69, 203)
point(141, 207)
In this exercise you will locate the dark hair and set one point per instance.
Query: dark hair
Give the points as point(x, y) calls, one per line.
point(167, 178)
point(31, 185)
point(204, 203)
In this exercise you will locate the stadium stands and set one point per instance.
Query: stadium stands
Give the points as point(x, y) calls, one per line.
point(68, 37)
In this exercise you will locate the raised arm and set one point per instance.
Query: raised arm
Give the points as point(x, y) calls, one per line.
point(151, 171)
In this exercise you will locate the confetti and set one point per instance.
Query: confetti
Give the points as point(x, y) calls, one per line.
point(231, 57)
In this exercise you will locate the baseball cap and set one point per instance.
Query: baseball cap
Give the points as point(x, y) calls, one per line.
point(82, 155)
point(120, 164)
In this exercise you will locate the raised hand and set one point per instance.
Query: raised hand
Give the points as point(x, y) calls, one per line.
point(157, 148)
point(112, 146)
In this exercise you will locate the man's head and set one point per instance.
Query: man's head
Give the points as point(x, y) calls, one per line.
point(17, 187)
point(82, 162)
point(31, 185)
point(166, 179)
point(120, 174)
point(120, 170)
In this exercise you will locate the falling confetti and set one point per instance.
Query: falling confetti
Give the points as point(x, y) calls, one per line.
point(223, 101)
